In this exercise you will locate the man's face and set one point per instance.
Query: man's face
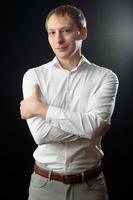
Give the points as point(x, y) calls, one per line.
point(64, 36)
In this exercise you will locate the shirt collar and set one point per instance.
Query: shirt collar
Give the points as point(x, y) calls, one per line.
point(56, 63)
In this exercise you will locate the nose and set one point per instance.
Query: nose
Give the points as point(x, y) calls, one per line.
point(59, 38)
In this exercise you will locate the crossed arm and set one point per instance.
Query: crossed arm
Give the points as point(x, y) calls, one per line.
point(52, 124)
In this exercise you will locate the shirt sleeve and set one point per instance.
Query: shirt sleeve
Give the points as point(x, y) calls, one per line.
point(97, 117)
point(43, 131)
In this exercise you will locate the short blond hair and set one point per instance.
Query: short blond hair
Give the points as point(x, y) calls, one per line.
point(73, 12)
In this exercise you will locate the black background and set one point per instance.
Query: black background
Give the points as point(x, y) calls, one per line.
point(24, 45)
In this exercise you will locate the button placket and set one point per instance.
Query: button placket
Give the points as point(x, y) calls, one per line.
point(67, 91)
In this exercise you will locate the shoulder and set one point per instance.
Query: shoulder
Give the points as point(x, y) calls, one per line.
point(41, 68)
point(37, 71)
point(104, 72)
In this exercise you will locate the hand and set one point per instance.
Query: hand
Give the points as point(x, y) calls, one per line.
point(33, 106)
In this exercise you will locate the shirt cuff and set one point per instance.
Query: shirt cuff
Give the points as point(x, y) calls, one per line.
point(54, 113)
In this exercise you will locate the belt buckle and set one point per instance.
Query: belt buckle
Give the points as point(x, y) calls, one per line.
point(79, 178)
point(65, 179)
point(68, 179)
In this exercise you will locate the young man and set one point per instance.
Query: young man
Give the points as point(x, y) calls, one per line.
point(68, 104)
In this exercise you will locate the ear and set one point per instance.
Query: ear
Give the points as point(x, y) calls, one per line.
point(83, 33)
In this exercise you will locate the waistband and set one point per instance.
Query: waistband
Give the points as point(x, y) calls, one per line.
point(69, 179)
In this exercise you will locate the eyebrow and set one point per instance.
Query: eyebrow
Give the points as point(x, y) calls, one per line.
point(51, 29)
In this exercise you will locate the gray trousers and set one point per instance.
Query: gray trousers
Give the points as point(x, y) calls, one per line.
point(42, 188)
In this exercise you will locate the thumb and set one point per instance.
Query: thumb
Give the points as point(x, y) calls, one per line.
point(36, 91)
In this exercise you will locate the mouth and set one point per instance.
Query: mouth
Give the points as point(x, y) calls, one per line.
point(62, 48)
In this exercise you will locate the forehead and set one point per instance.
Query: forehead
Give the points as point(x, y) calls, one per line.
point(58, 21)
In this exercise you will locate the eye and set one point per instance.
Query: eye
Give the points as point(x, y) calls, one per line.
point(66, 30)
point(51, 33)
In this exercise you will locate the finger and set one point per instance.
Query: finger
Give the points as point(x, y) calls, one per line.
point(21, 102)
point(36, 91)
point(20, 110)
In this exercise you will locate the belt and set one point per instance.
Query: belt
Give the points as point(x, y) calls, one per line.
point(69, 179)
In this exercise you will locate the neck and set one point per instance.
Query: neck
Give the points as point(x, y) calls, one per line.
point(70, 63)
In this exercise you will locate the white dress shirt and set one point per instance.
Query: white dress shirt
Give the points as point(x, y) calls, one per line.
point(81, 103)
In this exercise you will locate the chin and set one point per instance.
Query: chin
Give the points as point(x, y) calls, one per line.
point(63, 56)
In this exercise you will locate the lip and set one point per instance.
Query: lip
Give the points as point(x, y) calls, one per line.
point(62, 47)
